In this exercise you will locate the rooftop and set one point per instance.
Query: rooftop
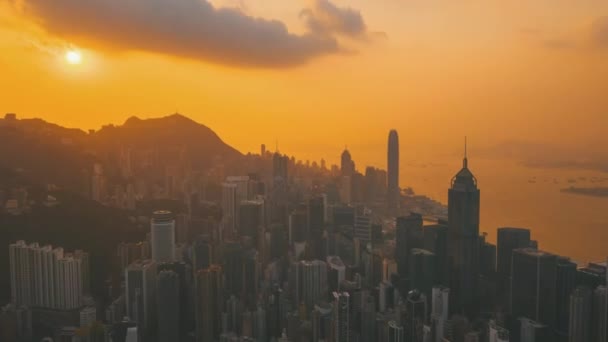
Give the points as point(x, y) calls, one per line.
point(533, 252)
point(162, 216)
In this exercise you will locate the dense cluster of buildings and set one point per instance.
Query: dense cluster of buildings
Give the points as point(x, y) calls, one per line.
point(311, 254)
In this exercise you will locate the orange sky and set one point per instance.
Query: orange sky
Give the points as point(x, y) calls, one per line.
point(493, 70)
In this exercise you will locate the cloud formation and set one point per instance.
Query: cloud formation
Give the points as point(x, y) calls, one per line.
point(196, 29)
point(327, 19)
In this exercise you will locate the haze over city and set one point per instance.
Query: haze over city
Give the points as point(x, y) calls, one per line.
point(452, 144)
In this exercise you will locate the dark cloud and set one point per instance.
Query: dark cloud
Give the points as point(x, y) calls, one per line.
point(599, 32)
point(196, 29)
point(325, 18)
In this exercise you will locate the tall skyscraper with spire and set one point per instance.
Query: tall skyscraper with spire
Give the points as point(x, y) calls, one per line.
point(393, 171)
point(463, 238)
point(347, 165)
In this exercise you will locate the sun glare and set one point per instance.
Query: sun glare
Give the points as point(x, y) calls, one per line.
point(73, 57)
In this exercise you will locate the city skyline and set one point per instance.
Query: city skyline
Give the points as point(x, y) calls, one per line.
point(329, 247)
point(294, 171)
point(428, 179)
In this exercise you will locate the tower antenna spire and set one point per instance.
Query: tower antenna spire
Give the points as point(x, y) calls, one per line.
point(465, 161)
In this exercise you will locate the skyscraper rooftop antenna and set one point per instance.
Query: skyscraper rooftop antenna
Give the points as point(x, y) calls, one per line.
point(465, 161)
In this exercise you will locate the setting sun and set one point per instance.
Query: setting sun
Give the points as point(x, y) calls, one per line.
point(73, 57)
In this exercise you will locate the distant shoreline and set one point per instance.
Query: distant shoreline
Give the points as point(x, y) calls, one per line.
point(593, 192)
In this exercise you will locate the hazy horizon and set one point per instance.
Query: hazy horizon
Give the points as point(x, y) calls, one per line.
point(493, 71)
point(520, 184)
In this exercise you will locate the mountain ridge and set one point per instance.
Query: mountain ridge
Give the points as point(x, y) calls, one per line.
point(48, 153)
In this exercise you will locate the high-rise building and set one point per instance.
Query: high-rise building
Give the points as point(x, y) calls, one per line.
point(342, 314)
point(98, 183)
point(251, 275)
point(487, 254)
point(235, 190)
point(393, 171)
point(389, 269)
point(440, 311)
point(182, 227)
point(279, 195)
point(316, 216)
point(298, 224)
point(202, 254)
point(580, 315)
point(88, 316)
point(436, 241)
point(532, 331)
point(566, 282)
point(422, 271)
point(386, 296)
point(168, 306)
point(347, 172)
point(229, 207)
point(322, 328)
point(409, 235)
point(395, 332)
point(26, 263)
point(497, 333)
point(233, 257)
point(417, 313)
point(279, 166)
point(363, 229)
point(163, 236)
point(127, 253)
point(208, 303)
point(441, 302)
point(242, 187)
point(233, 315)
point(343, 216)
point(472, 336)
point(278, 241)
point(336, 273)
point(316, 225)
point(124, 331)
point(140, 291)
point(185, 276)
point(374, 185)
point(251, 218)
point(463, 238)
point(68, 282)
point(115, 312)
point(45, 277)
point(533, 286)
point(357, 188)
point(599, 324)
point(592, 275)
point(508, 239)
point(85, 270)
point(347, 165)
point(308, 282)
point(366, 316)
point(260, 331)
